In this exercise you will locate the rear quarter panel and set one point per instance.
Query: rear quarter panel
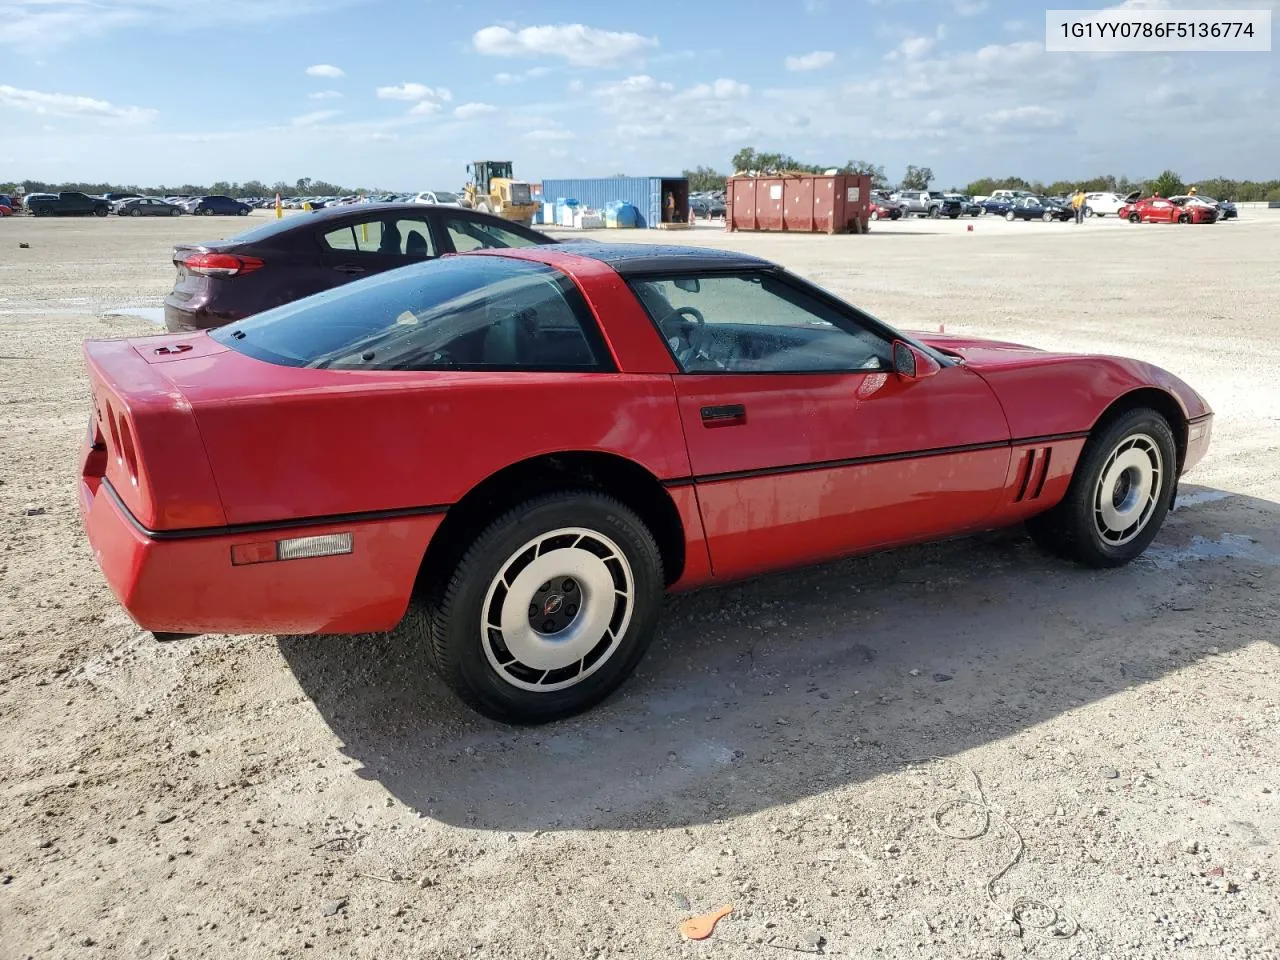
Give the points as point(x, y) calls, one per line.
point(288, 442)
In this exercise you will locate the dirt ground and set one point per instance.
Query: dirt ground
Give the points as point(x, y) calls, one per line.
point(283, 796)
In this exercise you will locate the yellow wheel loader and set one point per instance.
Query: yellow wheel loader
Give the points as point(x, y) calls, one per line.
point(492, 189)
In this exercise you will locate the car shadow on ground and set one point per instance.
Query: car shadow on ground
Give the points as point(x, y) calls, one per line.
point(781, 688)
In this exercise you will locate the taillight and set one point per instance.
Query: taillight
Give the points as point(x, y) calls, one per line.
point(221, 264)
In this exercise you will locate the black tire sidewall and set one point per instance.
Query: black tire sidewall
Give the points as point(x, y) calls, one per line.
point(456, 609)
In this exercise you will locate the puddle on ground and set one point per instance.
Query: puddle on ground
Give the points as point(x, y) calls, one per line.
point(1199, 497)
point(1229, 546)
point(151, 314)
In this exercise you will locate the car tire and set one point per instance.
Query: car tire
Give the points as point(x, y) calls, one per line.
point(875, 215)
point(1184, 218)
point(527, 565)
point(1010, 216)
point(100, 211)
point(175, 212)
point(1134, 218)
point(1047, 216)
point(207, 211)
point(1088, 211)
point(933, 213)
point(135, 212)
point(242, 213)
point(1119, 493)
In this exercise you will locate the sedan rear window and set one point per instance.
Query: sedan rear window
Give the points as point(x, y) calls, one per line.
point(457, 313)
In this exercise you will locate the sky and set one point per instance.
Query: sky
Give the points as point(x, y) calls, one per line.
point(402, 94)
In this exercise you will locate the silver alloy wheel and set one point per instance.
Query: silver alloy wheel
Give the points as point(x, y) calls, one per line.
point(1128, 489)
point(557, 610)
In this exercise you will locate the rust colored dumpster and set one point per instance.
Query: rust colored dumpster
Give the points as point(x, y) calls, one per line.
point(799, 203)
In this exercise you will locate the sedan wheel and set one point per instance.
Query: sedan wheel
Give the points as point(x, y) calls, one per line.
point(135, 212)
point(875, 214)
point(1047, 216)
point(175, 212)
point(207, 211)
point(1088, 211)
point(1119, 493)
point(1134, 218)
point(1010, 217)
point(1184, 218)
point(550, 608)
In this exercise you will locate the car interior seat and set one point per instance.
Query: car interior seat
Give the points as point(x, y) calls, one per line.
point(390, 242)
point(415, 245)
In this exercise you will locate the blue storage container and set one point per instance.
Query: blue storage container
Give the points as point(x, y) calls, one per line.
point(645, 194)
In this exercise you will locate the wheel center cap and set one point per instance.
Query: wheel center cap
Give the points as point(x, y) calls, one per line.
point(552, 604)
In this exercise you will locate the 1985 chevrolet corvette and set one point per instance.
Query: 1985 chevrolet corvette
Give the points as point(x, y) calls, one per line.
point(534, 444)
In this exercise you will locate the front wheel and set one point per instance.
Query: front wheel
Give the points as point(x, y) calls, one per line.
point(1010, 216)
point(135, 212)
point(100, 211)
point(207, 211)
point(1047, 216)
point(1134, 218)
point(875, 214)
point(1119, 493)
point(549, 610)
point(175, 212)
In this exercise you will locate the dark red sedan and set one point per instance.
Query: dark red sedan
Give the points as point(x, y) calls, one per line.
point(284, 260)
point(535, 444)
point(1163, 210)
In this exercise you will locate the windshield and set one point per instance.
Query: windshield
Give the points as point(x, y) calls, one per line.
point(442, 197)
point(456, 313)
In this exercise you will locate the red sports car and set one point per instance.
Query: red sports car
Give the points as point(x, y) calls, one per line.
point(1162, 210)
point(534, 444)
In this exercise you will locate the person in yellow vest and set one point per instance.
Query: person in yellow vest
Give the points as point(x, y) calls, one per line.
point(1192, 192)
point(1077, 204)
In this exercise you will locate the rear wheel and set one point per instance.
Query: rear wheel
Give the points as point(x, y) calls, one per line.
point(1047, 216)
point(207, 211)
point(549, 610)
point(175, 212)
point(1119, 494)
point(875, 214)
point(135, 212)
point(100, 211)
point(1010, 216)
point(1134, 218)
point(1184, 218)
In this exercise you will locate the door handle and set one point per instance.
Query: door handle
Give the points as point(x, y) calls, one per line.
point(349, 268)
point(724, 415)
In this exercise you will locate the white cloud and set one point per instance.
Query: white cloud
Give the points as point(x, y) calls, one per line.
point(413, 92)
point(469, 111)
point(576, 43)
point(810, 61)
point(316, 116)
point(1041, 118)
point(546, 135)
point(70, 105)
point(326, 70)
point(324, 95)
point(970, 8)
point(425, 108)
point(912, 48)
point(722, 89)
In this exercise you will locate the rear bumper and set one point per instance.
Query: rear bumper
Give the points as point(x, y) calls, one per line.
point(180, 317)
point(185, 582)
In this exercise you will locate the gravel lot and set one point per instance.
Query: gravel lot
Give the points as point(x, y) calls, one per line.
point(257, 796)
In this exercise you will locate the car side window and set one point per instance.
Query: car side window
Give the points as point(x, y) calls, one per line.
point(392, 237)
point(755, 323)
point(468, 235)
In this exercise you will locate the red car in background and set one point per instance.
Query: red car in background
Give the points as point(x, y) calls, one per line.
point(1163, 210)
point(534, 444)
point(885, 210)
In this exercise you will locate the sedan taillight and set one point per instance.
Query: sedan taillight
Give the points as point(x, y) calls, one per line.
point(221, 264)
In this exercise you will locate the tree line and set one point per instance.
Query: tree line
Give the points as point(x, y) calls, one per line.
point(304, 187)
point(1168, 183)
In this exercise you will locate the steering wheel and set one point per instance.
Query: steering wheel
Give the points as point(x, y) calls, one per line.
point(692, 313)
